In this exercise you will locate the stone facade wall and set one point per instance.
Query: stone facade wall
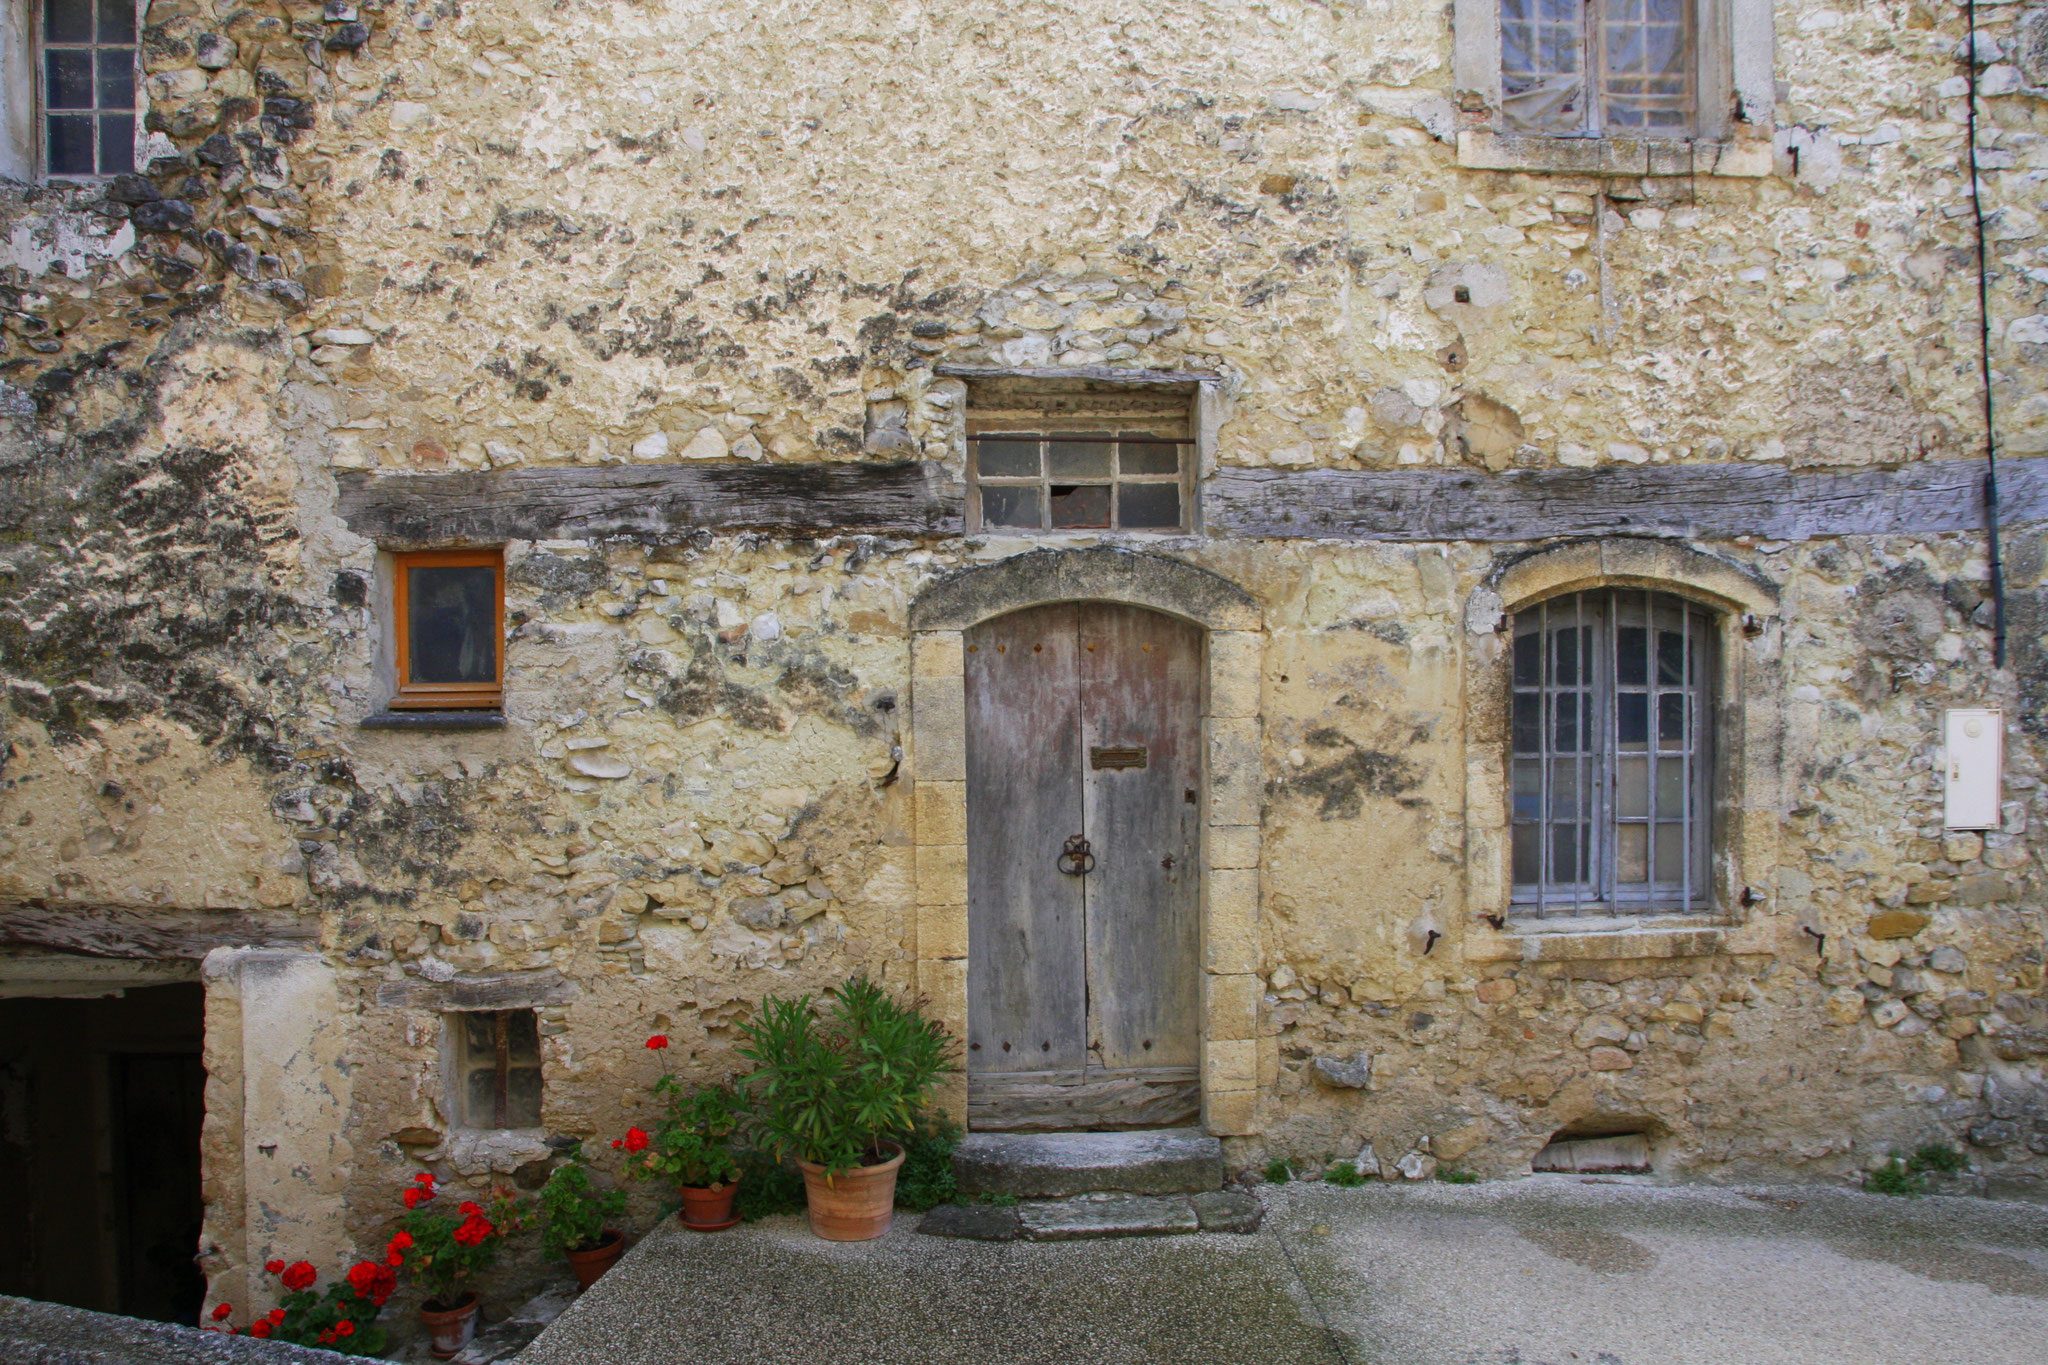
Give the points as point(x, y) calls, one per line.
point(442, 237)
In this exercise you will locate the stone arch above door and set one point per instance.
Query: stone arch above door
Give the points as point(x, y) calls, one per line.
point(936, 766)
point(1039, 577)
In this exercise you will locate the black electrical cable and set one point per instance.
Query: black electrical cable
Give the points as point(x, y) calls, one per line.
point(1984, 353)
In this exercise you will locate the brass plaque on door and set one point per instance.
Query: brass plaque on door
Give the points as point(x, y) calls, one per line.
point(1117, 756)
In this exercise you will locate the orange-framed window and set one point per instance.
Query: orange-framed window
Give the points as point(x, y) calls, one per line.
point(450, 617)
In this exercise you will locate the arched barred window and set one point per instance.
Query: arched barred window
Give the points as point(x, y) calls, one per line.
point(1612, 753)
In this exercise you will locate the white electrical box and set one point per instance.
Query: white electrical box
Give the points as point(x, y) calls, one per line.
point(1973, 776)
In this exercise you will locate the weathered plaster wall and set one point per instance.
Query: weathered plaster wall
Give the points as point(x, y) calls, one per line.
point(439, 237)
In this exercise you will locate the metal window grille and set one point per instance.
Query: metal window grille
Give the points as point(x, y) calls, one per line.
point(1612, 754)
point(1130, 481)
point(498, 1065)
point(88, 87)
point(1588, 67)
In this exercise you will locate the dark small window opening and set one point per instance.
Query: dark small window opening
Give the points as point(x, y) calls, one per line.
point(450, 627)
point(1079, 456)
point(1460, 294)
point(497, 1068)
point(88, 87)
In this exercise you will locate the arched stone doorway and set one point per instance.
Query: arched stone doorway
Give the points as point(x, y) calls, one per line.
point(1215, 629)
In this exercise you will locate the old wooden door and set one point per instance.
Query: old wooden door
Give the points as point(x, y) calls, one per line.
point(1083, 850)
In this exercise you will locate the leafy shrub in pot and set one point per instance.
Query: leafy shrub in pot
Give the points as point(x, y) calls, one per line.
point(837, 1085)
point(573, 1215)
point(696, 1145)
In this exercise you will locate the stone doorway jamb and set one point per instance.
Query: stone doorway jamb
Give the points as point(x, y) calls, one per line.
point(1232, 777)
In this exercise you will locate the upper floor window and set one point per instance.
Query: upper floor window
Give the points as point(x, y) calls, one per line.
point(88, 87)
point(1612, 753)
point(449, 626)
point(1586, 67)
point(1079, 457)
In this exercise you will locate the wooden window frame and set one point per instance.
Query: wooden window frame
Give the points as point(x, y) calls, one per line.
point(444, 696)
point(1110, 433)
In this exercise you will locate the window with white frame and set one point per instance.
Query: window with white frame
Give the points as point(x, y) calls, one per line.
point(1612, 753)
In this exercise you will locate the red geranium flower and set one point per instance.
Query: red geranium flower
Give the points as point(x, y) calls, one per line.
point(658, 1042)
point(413, 1197)
point(474, 1230)
point(469, 1208)
point(299, 1275)
point(636, 1141)
point(260, 1327)
point(400, 1241)
point(221, 1311)
point(343, 1328)
point(423, 1178)
point(277, 1317)
point(274, 1267)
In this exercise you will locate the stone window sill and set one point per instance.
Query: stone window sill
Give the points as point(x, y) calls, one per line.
point(433, 720)
point(1482, 150)
point(1600, 939)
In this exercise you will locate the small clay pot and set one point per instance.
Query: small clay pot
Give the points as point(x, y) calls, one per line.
point(855, 1205)
point(589, 1265)
point(708, 1207)
point(451, 1328)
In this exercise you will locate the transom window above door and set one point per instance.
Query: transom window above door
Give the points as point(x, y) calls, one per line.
point(1612, 758)
point(1078, 459)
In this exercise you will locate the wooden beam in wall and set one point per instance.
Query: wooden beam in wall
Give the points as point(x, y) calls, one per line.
point(655, 502)
point(1708, 502)
point(148, 932)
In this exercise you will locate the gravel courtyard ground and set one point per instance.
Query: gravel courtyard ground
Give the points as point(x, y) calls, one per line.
point(1546, 1271)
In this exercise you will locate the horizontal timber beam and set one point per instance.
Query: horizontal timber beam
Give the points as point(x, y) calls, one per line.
point(655, 502)
point(148, 932)
point(1701, 501)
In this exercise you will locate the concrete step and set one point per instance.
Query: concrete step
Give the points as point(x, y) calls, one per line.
point(1059, 1165)
point(1100, 1215)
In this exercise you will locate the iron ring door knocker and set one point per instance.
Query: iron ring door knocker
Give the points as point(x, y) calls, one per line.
point(1075, 859)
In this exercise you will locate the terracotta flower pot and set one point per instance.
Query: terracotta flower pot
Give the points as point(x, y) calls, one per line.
point(708, 1207)
point(451, 1328)
point(855, 1205)
point(589, 1265)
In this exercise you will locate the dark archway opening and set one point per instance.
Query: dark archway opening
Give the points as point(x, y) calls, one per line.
point(101, 1102)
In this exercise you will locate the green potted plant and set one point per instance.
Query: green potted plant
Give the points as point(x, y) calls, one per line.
point(573, 1213)
point(836, 1088)
point(447, 1249)
point(695, 1146)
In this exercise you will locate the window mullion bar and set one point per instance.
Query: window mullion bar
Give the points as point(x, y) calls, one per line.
point(1609, 778)
point(1546, 715)
point(1650, 703)
point(1579, 817)
point(1687, 729)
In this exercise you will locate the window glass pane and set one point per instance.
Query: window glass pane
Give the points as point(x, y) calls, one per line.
point(1631, 787)
point(1564, 656)
point(1528, 854)
point(67, 79)
point(1670, 853)
point(998, 459)
point(522, 1036)
point(453, 625)
point(1631, 655)
point(1080, 504)
point(1529, 721)
point(117, 143)
point(1670, 787)
point(480, 1099)
point(67, 21)
point(1671, 658)
point(1632, 721)
point(478, 1035)
point(1564, 789)
point(522, 1097)
point(1148, 506)
point(1632, 853)
point(1564, 851)
point(1564, 722)
point(117, 21)
point(1011, 506)
point(1528, 788)
point(1145, 457)
point(70, 151)
point(117, 77)
point(1528, 671)
point(1077, 459)
point(1671, 720)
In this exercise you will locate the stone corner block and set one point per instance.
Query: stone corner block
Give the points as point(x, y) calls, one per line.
point(1231, 1113)
point(941, 874)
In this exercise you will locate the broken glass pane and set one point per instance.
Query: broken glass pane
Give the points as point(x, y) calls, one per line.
point(1085, 504)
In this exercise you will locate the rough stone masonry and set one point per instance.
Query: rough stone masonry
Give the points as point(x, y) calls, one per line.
point(681, 304)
